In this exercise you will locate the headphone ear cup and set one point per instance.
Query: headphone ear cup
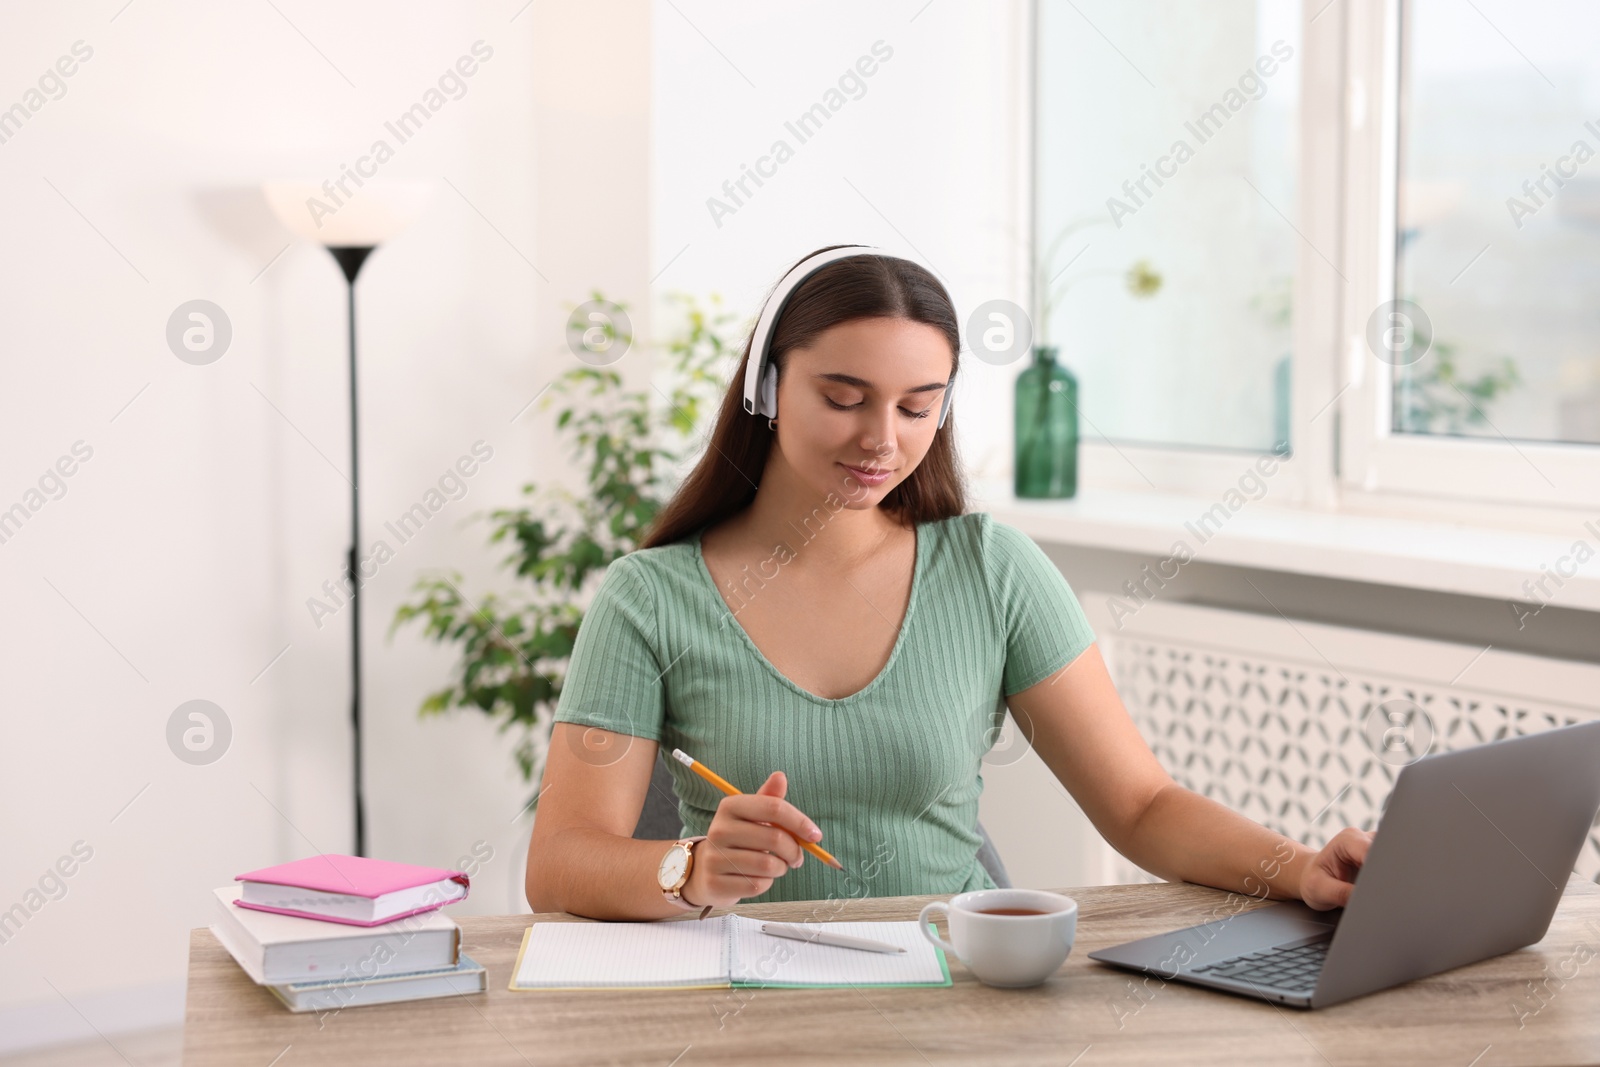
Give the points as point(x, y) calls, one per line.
point(769, 392)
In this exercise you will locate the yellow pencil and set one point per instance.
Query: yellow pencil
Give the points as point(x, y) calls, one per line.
point(717, 780)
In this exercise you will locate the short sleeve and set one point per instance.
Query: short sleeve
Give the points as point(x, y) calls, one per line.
point(614, 676)
point(1044, 626)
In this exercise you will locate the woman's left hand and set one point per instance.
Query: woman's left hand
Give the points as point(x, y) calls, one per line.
point(1331, 874)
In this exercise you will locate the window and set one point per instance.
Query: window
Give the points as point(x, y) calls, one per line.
point(1467, 359)
point(1386, 251)
point(1497, 238)
point(1166, 176)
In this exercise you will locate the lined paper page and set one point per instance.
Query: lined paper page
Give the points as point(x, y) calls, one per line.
point(563, 955)
point(761, 958)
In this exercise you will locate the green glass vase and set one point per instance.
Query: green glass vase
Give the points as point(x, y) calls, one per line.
point(1046, 457)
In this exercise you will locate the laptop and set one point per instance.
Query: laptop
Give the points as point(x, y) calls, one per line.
point(1472, 853)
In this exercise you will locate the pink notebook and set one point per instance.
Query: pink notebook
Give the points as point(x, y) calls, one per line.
point(350, 889)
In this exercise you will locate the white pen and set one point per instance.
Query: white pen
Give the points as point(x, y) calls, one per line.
point(821, 937)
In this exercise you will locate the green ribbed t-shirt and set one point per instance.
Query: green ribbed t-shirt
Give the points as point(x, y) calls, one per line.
point(891, 773)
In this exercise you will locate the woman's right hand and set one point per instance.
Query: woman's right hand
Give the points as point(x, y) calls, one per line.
point(748, 845)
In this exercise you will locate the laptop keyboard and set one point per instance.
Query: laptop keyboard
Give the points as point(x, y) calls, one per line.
point(1292, 969)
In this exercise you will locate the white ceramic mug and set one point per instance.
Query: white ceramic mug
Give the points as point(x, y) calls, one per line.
point(1009, 951)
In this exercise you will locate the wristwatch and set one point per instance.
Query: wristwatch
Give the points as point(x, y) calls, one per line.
point(674, 872)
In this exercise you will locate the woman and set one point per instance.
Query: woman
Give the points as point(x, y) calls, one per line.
point(815, 617)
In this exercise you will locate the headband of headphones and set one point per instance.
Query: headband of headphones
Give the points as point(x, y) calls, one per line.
point(758, 371)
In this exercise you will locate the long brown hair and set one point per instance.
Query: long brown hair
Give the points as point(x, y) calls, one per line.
point(724, 481)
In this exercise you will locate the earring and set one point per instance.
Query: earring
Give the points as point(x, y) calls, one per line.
point(772, 424)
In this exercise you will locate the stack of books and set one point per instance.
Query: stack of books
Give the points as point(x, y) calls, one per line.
point(331, 932)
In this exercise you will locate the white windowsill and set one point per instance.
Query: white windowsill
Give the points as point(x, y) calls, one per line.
point(1441, 556)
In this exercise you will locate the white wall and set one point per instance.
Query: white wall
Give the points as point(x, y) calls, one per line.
point(925, 159)
point(178, 564)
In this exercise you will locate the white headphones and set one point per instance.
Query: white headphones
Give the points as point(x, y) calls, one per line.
point(758, 369)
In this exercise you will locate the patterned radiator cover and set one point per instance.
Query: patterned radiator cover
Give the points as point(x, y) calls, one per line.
point(1304, 727)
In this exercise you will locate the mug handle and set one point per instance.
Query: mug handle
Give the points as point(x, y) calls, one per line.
point(922, 924)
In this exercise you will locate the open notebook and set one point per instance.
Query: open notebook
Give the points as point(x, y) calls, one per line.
point(727, 951)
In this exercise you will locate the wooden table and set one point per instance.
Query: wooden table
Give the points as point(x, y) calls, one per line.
point(1501, 1011)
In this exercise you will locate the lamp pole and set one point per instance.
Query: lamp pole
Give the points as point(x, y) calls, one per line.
point(350, 258)
point(350, 235)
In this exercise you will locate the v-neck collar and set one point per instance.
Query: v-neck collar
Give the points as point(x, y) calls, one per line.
point(920, 533)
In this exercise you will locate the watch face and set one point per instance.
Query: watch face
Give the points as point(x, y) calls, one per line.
point(673, 864)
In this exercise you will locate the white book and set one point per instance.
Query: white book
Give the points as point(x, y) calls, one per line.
point(274, 949)
point(727, 951)
point(332, 994)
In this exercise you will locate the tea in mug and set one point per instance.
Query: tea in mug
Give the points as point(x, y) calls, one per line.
point(1011, 911)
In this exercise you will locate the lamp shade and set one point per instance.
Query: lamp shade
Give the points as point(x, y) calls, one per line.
point(364, 217)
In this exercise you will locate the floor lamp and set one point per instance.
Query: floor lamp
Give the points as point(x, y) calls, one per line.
point(350, 228)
